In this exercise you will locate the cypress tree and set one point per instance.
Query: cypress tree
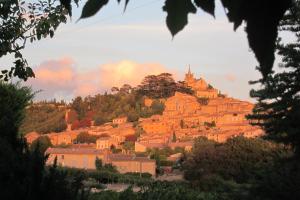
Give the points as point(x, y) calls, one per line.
point(278, 107)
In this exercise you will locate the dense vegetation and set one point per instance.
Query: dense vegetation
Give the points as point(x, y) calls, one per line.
point(23, 174)
point(278, 107)
point(44, 118)
point(128, 101)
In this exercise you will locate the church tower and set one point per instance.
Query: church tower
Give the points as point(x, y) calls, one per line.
point(189, 77)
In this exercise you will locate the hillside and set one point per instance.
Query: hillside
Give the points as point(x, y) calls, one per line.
point(44, 118)
point(159, 106)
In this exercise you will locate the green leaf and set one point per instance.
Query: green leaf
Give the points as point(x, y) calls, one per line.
point(76, 2)
point(206, 5)
point(126, 2)
point(67, 5)
point(18, 55)
point(235, 11)
point(51, 32)
point(92, 7)
point(262, 22)
point(29, 72)
point(178, 11)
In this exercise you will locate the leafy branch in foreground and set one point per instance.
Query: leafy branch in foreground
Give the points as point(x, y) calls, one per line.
point(22, 21)
point(278, 107)
point(261, 17)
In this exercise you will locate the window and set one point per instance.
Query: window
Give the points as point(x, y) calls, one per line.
point(62, 156)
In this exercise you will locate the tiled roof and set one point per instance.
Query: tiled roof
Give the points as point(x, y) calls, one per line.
point(124, 157)
point(74, 151)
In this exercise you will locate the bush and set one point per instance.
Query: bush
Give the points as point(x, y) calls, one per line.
point(240, 159)
point(84, 137)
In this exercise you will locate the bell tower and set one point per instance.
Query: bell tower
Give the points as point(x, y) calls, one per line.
point(189, 77)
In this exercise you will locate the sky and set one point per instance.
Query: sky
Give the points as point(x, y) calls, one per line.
point(113, 48)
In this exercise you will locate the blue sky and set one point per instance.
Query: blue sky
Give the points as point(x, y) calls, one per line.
point(93, 51)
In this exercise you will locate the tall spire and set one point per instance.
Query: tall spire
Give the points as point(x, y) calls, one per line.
point(189, 72)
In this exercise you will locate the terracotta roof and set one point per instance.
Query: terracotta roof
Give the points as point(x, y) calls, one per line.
point(127, 158)
point(74, 151)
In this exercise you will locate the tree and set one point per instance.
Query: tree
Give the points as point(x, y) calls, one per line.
point(23, 174)
point(128, 146)
point(158, 86)
point(42, 143)
point(278, 107)
point(21, 22)
point(126, 88)
point(115, 90)
point(181, 123)
point(84, 137)
point(79, 106)
point(183, 88)
point(241, 159)
point(98, 163)
point(157, 107)
point(174, 137)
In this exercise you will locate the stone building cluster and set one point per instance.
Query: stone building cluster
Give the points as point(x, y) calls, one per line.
point(200, 87)
point(85, 157)
point(206, 114)
point(185, 117)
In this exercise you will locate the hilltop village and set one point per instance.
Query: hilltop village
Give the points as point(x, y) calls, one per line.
point(193, 108)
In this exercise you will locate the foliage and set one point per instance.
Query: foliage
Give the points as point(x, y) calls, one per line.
point(98, 163)
point(130, 138)
point(42, 143)
point(84, 137)
point(79, 107)
point(260, 16)
point(143, 175)
point(163, 191)
point(106, 176)
point(22, 172)
point(77, 124)
point(44, 118)
point(106, 107)
point(174, 137)
point(138, 131)
point(239, 159)
point(210, 124)
point(128, 146)
point(13, 100)
point(203, 100)
point(279, 182)
point(157, 107)
point(160, 86)
point(21, 22)
point(278, 107)
point(181, 123)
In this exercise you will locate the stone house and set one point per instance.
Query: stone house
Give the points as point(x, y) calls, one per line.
point(120, 120)
point(85, 158)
